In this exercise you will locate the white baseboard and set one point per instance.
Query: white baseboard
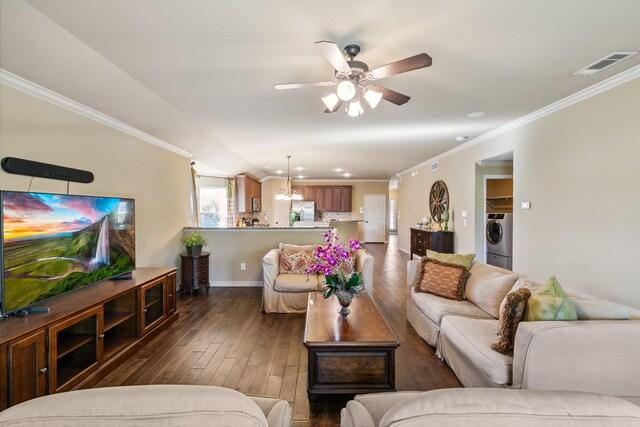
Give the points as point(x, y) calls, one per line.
point(406, 251)
point(235, 284)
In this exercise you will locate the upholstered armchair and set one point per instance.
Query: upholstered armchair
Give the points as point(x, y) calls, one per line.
point(287, 293)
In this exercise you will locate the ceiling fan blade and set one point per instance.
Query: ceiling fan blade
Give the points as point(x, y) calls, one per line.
point(302, 85)
point(402, 66)
point(332, 52)
point(390, 95)
point(335, 108)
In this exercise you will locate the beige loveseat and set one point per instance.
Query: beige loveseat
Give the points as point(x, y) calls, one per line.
point(150, 405)
point(480, 407)
point(287, 293)
point(591, 355)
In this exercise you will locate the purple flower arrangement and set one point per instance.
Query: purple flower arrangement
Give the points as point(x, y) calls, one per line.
point(335, 261)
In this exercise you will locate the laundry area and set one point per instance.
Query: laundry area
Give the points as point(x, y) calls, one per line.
point(499, 222)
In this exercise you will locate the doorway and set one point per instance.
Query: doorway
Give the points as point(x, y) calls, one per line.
point(375, 212)
point(494, 210)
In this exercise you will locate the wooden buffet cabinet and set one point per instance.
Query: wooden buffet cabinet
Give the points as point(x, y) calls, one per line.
point(84, 336)
point(439, 241)
point(330, 198)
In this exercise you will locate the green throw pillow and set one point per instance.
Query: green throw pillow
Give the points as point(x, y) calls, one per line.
point(457, 259)
point(550, 302)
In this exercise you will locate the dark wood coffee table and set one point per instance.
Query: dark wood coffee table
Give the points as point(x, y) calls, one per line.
point(348, 354)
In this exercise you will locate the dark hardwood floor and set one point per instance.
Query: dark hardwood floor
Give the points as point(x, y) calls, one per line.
point(223, 339)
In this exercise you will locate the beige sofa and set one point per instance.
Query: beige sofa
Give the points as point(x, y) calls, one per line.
point(597, 356)
point(287, 293)
point(150, 405)
point(480, 407)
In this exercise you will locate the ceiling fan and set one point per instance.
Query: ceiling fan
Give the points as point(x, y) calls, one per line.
point(354, 80)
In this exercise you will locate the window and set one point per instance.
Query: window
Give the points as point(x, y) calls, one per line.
point(213, 206)
point(392, 215)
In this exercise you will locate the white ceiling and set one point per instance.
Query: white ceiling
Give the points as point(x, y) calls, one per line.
point(200, 74)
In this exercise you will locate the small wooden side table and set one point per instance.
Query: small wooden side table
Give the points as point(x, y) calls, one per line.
point(195, 272)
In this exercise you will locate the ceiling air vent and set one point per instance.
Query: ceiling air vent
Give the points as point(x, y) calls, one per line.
point(603, 63)
point(434, 166)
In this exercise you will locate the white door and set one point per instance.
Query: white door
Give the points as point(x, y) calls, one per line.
point(281, 213)
point(375, 212)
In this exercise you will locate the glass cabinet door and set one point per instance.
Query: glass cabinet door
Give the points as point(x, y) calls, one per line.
point(153, 305)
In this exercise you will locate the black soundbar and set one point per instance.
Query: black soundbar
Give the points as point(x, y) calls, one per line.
point(45, 170)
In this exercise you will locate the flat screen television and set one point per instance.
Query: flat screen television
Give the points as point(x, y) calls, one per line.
point(57, 243)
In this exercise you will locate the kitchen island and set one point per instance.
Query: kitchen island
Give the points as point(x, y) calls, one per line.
point(235, 247)
point(232, 248)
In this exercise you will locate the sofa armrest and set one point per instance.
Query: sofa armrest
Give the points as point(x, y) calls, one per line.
point(597, 356)
point(270, 267)
point(364, 264)
point(355, 415)
point(413, 272)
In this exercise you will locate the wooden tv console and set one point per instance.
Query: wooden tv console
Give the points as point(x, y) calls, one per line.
point(84, 336)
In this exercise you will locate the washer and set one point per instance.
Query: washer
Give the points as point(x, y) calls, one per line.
point(499, 235)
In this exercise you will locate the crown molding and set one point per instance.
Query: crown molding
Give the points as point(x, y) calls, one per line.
point(603, 86)
point(268, 177)
point(339, 180)
point(495, 163)
point(42, 93)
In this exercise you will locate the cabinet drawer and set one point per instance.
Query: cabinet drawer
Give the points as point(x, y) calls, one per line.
point(201, 271)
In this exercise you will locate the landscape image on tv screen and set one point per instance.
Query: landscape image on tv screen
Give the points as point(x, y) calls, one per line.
point(56, 243)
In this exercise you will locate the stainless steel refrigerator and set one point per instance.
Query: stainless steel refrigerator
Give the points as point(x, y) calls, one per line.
point(306, 209)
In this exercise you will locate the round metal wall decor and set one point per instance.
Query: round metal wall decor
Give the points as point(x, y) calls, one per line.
point(438, 201)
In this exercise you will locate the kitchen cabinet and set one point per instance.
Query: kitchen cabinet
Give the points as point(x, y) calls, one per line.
point(329, 198)
point(247, 190)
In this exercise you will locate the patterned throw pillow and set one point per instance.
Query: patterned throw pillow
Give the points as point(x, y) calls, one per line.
point(550, 302)
point(294, 261)
point(442, 279)
point(511, 315)
point(459, 259)
point(349, 265)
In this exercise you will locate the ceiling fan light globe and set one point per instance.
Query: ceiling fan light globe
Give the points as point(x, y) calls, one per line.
point(354, 109)
point(331, 101)
point(373, 98)
point(346, 90)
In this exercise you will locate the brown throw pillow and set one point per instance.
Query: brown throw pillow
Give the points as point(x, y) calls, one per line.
point(295, 261)
point(442, 279)
point(511, 315)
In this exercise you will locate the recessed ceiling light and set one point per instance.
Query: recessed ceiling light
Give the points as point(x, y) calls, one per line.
point(338, 169)
point(347, 175)
point(299, 168)
point(279, 172)
point(300, 176)
point(476, 114)
point(461, 138)
point(267, 167)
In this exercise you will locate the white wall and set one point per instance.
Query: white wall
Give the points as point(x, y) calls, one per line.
point(580, 169)
point(123, 166)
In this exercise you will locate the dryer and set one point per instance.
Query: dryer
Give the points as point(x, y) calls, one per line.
point(499, 235)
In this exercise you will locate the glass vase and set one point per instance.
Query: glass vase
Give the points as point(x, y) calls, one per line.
point(344, 298)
